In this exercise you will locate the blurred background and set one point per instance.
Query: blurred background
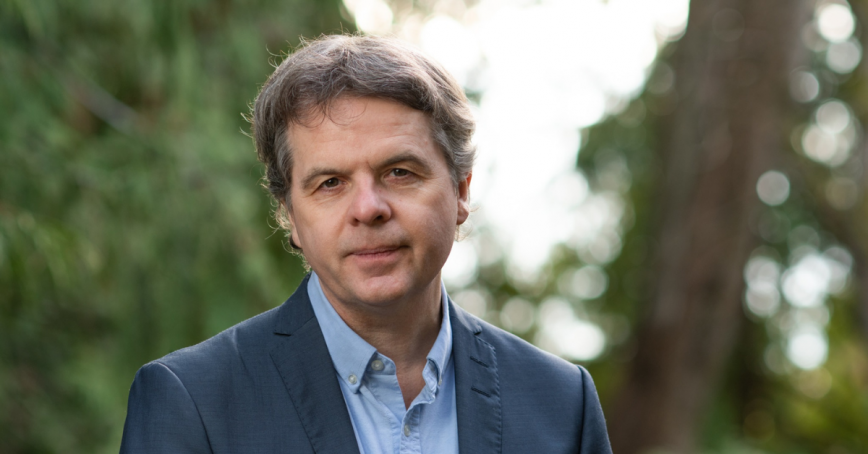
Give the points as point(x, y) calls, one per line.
point(668, 192)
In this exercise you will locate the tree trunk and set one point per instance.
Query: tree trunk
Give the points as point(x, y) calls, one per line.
point(731, 69)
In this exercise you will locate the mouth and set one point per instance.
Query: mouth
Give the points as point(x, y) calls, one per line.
point(375, 252)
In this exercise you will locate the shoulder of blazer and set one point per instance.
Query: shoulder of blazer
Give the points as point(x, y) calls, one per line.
point(254, 336)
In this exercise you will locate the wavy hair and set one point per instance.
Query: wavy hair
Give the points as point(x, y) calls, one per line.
point(309, 80)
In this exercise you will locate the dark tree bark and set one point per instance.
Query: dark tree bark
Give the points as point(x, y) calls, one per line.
point(731, 69)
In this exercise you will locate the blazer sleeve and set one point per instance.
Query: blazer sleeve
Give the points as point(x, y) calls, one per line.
point(595, 438)
point(161, 415)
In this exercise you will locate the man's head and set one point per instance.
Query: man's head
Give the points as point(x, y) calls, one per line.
point(308, 83)
point(367, 148)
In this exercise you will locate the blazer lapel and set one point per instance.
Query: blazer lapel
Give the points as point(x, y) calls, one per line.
point(477, 389)
point(300, 353)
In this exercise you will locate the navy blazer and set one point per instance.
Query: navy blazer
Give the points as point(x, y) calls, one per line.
point(268, 385)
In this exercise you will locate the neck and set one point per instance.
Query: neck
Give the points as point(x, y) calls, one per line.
point(403, 330)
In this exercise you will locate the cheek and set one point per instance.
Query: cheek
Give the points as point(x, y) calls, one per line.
point(315, 231)
point(308, 231)
point(439, 227)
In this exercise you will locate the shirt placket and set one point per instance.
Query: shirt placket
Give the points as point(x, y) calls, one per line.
point(411, 442)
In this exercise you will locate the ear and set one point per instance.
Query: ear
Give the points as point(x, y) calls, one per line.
point(293, 232)
point(464, 199)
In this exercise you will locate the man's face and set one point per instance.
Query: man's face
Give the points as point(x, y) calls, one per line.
point(373, 205)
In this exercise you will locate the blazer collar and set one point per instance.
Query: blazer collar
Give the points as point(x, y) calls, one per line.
point(477, 388)
point(300, 354)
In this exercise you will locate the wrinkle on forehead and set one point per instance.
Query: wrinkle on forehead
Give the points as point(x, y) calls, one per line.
point(342, 115)
point(341, 112)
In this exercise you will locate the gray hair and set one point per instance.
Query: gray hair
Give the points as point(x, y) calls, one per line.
point(323, 70)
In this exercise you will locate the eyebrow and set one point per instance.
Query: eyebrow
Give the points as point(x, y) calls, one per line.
point(310, 180)
point(407, 157)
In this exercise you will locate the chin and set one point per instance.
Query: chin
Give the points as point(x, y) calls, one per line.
point(382, 290)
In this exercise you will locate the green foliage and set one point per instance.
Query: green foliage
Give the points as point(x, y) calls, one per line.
point(131, 223)
point(131, 220)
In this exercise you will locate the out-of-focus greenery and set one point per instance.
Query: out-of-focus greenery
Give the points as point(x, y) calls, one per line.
point(131, 220)
point(131, 223)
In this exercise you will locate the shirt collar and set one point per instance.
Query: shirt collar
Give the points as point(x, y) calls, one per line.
point(351, 354)
point(442, 348)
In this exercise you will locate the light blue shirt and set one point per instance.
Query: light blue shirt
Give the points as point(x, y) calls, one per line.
point(372, 394)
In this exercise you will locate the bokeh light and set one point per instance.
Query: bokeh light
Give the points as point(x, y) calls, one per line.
point(452, 44)
point(474, 301)
point(835, 22)
point(830, 138)
point(804, 86)
point(517, 315)
point(833, 116)
point(806, 283)
point(807, 348)
point(372, 16)
point(761, 275)
point(587, 282)
point(844, 57)
point(562, 333)
point(773, 188)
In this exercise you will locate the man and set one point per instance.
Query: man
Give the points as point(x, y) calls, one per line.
point(367, 147)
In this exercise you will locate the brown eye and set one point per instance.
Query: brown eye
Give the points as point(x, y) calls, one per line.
point(400, 173)
point(330, 183)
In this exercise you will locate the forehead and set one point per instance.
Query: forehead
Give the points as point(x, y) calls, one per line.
point(361, 128)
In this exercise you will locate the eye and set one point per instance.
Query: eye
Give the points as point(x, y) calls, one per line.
point(331, 183)
point(399, 172)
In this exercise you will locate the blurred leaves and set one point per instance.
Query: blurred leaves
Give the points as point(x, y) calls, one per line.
point(131, 221)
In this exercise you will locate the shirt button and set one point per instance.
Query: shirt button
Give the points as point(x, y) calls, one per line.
point(352, 379)
point(377, 365)
point(406, 430)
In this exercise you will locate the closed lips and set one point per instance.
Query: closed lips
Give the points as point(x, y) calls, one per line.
point(379, 250)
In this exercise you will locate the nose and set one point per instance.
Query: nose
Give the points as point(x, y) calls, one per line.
point(369, 204)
